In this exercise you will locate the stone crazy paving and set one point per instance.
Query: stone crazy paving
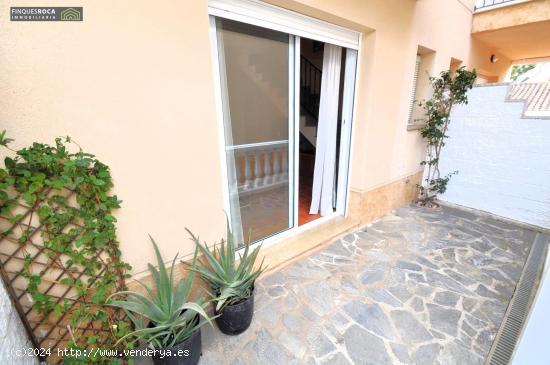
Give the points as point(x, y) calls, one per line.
point(419, 286)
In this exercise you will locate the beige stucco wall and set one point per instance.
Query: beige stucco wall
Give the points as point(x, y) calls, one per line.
point(512, 15)
point(518, 29)
point(256, 68)
point(384, 151)
point(136, 88)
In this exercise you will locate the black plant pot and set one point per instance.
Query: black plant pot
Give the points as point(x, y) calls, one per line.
point(189, 349)
point(235, 319)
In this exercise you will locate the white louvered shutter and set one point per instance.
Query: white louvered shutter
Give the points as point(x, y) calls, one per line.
point(413, 91)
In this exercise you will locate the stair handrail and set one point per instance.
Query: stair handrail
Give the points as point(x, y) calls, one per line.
point(310, 78)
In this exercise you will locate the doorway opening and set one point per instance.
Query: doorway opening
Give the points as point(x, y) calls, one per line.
point(311, 73)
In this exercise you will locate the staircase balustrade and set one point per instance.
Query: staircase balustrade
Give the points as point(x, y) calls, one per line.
point(310, 87)
point(260, 166)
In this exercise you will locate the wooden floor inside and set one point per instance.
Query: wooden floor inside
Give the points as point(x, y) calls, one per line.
point(265, 213)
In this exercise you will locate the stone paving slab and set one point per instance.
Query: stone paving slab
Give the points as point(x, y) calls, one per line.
point(420, 286)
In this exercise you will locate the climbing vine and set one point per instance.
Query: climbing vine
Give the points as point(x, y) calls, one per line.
point(448, 90)
point(68, 193)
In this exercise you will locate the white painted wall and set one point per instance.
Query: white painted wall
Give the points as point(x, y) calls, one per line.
point(12, 334)
point(502, 159)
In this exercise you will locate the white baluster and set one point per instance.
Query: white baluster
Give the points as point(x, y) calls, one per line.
point(250, 173)
point(285, 164)
point(238, 169)
point(257, 178)
point(267, 167)
point(276, 169)
point(247, 172)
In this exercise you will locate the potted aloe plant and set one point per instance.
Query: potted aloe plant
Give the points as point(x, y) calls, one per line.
point(232, 282)
point(165, 318)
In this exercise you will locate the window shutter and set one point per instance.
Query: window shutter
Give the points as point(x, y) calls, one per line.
point(413, 91)
point(262, 14)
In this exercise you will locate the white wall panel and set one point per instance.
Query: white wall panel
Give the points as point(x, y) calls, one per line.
point(502, 159)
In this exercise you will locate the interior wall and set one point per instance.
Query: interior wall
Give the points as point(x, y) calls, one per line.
point(256, 65)
point(308, 51)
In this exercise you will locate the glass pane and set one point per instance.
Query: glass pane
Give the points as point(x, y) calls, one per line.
point(254, 68)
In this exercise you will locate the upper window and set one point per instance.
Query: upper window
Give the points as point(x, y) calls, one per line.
point(421, 85)
point(412, 98)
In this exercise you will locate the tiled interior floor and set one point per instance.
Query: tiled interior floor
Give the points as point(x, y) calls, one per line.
point(307, 165)
point(419, 286)
point(265, 213)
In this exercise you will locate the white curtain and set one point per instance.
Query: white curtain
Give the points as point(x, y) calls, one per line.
point(325, 155)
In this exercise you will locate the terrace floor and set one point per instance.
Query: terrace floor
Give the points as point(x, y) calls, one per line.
point(417, 287)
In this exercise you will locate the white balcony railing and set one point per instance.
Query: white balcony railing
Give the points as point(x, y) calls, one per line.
point(486, 4)
point(261, 166)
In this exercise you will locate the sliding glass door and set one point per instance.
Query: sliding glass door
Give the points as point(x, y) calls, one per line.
point(257, 90)
point(265, 128)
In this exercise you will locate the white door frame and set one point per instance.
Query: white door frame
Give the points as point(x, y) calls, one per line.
point(246, 11)
point(348, 107)
point(295, 132)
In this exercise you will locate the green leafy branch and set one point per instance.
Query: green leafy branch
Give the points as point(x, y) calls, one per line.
point(448, 90)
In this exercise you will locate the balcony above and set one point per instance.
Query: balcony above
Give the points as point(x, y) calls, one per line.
point(484, 5)
point(516, 28)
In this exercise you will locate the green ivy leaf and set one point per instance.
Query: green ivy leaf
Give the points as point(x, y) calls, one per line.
point(4, 141)
point(97, 182)
point(66, 281)
point(57, 310)
point(9, 162)
point(29, 197)
point(57, 184)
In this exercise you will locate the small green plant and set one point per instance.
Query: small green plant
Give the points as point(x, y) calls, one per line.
point(448, 90)
point(164, 317)
point(230, 282)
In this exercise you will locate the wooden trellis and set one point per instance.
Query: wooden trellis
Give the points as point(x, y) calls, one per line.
point(23, 249)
